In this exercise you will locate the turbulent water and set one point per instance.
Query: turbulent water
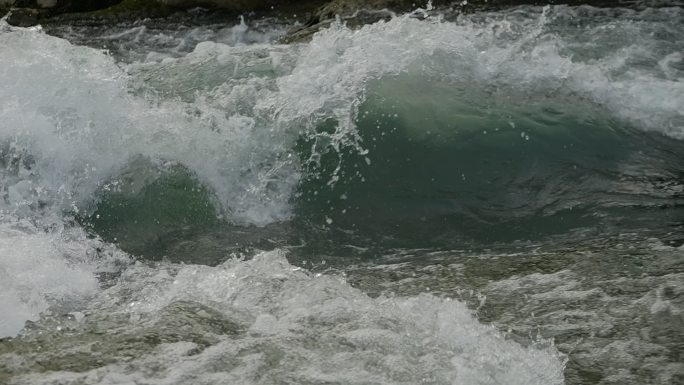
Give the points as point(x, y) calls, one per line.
point(492, 198)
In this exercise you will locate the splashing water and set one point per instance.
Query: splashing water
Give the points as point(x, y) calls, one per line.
point(380, 166)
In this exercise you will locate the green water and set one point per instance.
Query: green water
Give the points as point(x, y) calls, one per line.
point(494, 198)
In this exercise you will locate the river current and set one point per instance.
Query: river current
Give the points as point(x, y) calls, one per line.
point(435, 198)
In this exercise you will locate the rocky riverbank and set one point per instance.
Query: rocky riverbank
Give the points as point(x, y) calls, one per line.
point(30, 12)
point(312, 14)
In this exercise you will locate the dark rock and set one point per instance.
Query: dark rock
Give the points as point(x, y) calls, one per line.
point(61, 6)
point(246, 5)
point(304, 33)
point(315, 14)
point(349, 7)
point(24, 17)
point(87, 5)
point(112, 11)
point(224, 4)
point(117, 11)
point(354, 13)
point(358, 18)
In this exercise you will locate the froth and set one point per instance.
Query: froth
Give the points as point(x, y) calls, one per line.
point(70, 126)
point(529, 56)
point(39, 270)
point(270, 321)
point(72, 118)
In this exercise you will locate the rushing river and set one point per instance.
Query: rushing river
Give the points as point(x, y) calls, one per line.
point(493, 198)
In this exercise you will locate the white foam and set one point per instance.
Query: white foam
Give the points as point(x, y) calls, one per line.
point(304, 328)
point(68, 115)
point(69, 126)
point(39, 270)
point(69, 123)
point(521, 57)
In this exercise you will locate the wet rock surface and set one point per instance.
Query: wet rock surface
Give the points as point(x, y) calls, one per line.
point(313, 14)
point(24, 17)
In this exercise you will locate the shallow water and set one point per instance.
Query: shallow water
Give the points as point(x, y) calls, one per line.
point(474, 199)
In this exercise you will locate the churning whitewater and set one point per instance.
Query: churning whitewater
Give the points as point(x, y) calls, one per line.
point(494, 198)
